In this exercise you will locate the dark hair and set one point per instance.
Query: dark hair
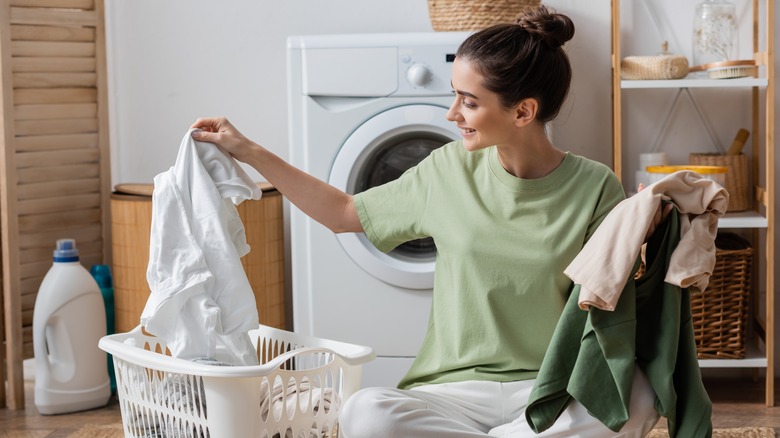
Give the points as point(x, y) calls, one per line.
point(524, 59)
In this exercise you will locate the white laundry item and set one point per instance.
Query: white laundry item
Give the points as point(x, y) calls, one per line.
point(201, 302)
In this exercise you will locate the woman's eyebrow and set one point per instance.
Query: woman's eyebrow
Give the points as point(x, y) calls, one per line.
point(464, 93)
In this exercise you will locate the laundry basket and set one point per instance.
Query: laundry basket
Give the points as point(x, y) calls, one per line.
point(297, 390)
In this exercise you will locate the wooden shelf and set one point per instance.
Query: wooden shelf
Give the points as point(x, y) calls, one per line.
point(763, 146)
point(743, 219)
point(753, 359)
point(693, 82)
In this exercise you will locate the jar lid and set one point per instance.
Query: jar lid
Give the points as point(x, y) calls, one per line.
point(703, 170)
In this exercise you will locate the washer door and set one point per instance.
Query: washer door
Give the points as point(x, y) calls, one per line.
point(379, 151)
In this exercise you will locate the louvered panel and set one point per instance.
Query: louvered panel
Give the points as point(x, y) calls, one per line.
point(63, 95)
point(58, 188)
point(55, 126)
point(59, 204)
point(29, 286)
point(56, 142)
point(52, 48)
point(47, 238)
point(25, 64)
point(58, 173)
point(27, 338)
point(54, 150)
point(56, 111)
point(56, 158)
point(51, 33)
point(54, 80)
point(34, 269)
point(29, 255)
point(53, 16)
point(35, 254)
point(70, 4)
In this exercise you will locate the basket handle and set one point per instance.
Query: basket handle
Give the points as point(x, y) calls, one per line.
point(279, 361)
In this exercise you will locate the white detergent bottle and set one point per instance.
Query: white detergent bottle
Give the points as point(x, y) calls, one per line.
point(68, 321)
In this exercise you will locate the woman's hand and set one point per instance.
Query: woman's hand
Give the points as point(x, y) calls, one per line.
point(321, 201)
point(220, 131)
point(659, 217)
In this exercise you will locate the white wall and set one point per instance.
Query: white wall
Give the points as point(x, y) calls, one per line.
point(172, 61)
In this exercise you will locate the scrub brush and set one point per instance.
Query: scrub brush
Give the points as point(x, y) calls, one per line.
point(727, 69)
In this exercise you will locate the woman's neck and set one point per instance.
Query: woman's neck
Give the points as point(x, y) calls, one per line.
point(531, 156)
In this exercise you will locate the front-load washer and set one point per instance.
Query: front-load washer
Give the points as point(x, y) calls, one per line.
point(363, 108)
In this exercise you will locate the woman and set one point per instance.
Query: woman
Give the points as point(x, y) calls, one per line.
point(508, 212)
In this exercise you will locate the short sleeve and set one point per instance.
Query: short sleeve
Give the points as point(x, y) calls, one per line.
point(393, 213)
point(612, 194)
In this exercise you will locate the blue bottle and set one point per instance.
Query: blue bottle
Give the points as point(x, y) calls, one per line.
point(102, 275)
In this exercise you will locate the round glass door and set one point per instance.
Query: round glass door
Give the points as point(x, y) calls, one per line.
point(379, 151)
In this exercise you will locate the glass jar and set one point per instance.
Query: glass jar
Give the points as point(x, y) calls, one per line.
point(714, 32)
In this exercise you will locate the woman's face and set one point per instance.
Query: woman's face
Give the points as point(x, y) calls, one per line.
point(478, 112)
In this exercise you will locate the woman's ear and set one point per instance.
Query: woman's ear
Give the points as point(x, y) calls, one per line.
point(525, 111)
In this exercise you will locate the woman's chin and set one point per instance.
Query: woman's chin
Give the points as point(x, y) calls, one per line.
point(471, 145)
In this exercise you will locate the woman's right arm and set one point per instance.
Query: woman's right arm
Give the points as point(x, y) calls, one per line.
point(322, 202)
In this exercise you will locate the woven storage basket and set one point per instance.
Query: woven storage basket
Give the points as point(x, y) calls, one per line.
point(653, 67)
point(464, 15)
point(720, 313)
point(737, 178)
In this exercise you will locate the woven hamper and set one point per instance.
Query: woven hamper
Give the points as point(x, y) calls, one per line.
point(737, 177)
point(720, 313)
point(463, 15)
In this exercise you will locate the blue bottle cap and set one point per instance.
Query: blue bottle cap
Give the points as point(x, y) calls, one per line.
point(66, 251)
point(102, 275)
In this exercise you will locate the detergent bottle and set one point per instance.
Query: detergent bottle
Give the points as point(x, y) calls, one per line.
point(68, 321)
point(102, 275)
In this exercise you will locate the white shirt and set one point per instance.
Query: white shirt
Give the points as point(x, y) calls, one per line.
point(201, 302)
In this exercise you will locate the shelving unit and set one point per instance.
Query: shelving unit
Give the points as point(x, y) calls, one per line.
point(761, 216)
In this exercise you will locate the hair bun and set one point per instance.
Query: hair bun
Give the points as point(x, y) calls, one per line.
point(552, 28)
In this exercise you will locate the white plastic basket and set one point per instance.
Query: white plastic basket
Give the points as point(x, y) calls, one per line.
point(297, 390)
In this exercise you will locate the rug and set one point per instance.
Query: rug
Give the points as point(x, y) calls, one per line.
point(99, 431)
point(739, 432)
point(115, 431)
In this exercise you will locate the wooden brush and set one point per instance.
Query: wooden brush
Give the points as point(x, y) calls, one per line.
point(727, 69)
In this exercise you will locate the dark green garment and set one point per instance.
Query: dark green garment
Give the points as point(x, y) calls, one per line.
point(592, 354)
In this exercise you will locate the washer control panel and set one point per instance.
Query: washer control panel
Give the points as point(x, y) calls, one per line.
point(425, 70)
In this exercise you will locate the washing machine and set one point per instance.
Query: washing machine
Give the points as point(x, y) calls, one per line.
point(363, 108)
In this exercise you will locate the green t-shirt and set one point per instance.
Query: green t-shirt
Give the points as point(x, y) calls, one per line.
point(502, 245)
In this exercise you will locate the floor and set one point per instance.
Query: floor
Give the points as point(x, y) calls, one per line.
point(736, 403)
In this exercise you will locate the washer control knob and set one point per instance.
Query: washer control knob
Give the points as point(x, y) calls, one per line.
point(418, 75)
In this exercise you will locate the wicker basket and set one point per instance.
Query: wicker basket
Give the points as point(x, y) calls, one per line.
point(737, 178)
point(653, 67)
point(464, 15)
point(720, 313)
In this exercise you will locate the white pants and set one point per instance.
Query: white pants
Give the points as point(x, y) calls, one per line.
point(480, 409)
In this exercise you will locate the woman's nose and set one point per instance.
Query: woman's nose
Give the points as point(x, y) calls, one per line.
point(452, 113)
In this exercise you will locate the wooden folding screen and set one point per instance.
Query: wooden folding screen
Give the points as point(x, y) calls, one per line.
point(54, 155)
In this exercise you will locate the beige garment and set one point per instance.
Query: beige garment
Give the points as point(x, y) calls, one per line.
point(605, 262)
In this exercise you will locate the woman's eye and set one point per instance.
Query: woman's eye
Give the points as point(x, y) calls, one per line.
point(468, 104)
